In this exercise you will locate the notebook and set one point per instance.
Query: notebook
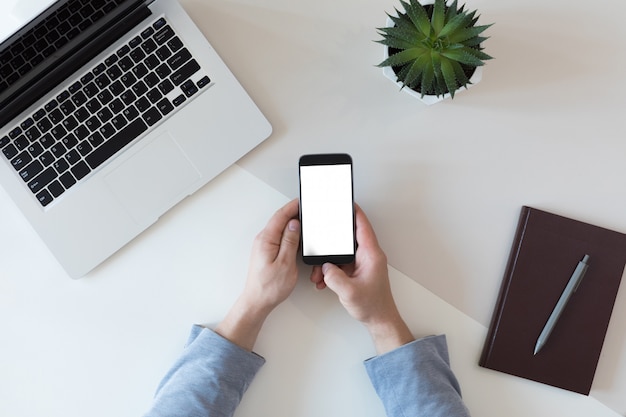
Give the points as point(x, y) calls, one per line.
point(111, 112)
point(545, 252)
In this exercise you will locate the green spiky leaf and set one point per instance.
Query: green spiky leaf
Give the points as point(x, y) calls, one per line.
point(433, 49)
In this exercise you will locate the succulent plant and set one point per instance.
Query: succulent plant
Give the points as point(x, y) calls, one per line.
point(434, 49)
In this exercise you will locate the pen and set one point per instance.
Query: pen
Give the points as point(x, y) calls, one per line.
point(572, 286)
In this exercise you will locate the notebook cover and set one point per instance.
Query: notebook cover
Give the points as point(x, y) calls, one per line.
point(545, 252)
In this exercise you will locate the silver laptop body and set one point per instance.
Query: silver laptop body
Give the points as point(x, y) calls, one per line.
point(187, 136)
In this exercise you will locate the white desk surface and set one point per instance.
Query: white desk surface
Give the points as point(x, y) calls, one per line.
point(100, 345)
point(443, 186)
point(445, 183)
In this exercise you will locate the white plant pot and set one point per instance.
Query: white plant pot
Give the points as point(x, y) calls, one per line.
point(427, 99)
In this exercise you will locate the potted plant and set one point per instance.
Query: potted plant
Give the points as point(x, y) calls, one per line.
point(434, 49)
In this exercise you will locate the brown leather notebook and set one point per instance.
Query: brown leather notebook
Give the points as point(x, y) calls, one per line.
point(545, 252)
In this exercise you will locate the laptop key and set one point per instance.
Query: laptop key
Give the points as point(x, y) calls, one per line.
point(51, 105)
point(10, 151)
point(80, 170)
point(58, 150)
point(185, 72)
point(93, 123)
point(135, 42)
point(125, 63)
point(152, 62)
point(46, 158)
point(67, 107)
point(21, 160)
point(33, 133)
point(204, 81)
point(147, 32)
point(31, 170)
point(68, 142)
point(159, 24)
point(107, 130)
point(166, 86)
point(67, 180)
point(151, 80)
point(179, 100)
point(179, 59)
point(189, 88)
point(56, 189)
point(91, 89)
point(149, 46)
point(27, 123)
point(123, 51)
point(44, 124)
point(152, 116)
point(21, 142)
point(154, 95)
point(119, 121)
point(35, 149)
point(116, 106)
point(131, 112)
point(116, 143)
point(163, 35)
point(142, 104)
point(116, 88)
point(81, 114)
point(175, 44)
point(72, 157)
point(79, 99)
point(81, 132)
point(96, 139)
point(163, 53)
point(44, 198)
point(43, 179)
point(58, 132)
point(55, 116)
point(39, 114)
point(165, 106)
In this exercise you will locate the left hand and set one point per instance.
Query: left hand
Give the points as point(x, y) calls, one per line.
point(273, 273)
point(272, 276)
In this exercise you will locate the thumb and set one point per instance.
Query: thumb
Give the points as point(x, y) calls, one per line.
point(335, 278)
point(290, 240)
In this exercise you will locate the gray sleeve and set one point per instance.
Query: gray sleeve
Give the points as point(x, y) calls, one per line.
point(209, 379)
point(416, 380)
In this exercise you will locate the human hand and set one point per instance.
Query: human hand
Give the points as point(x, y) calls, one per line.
point(364, 291)
point(272, 276)
point(272, 272)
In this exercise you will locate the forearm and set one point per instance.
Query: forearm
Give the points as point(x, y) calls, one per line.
point(243, 322)
point(416, 380)
point(209, 378)
point(389, 334)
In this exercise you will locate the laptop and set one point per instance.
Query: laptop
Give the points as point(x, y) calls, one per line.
point(112, 112)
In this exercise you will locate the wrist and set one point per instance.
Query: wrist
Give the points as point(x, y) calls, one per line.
point(243, 322)
point(389, 334)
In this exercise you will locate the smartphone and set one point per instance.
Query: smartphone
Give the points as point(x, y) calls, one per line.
point(327, 209)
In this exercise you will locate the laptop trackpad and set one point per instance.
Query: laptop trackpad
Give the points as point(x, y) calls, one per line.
point(153, 180)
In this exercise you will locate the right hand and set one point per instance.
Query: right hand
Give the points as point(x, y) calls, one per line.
point(363, 288)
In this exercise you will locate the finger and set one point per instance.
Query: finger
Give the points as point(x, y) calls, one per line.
point(273, 231)
point(290, 241)
point(317, 277)
point(365, 235)
point(334, 278)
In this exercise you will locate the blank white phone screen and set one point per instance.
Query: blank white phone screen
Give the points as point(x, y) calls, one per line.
point(326, 204)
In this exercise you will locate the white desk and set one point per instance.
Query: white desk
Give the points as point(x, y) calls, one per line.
point(100, 345)
point(444, 184)
point(444, 201)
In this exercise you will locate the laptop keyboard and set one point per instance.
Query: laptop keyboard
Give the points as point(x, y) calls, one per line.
point(49, 36)
point(104, 110)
